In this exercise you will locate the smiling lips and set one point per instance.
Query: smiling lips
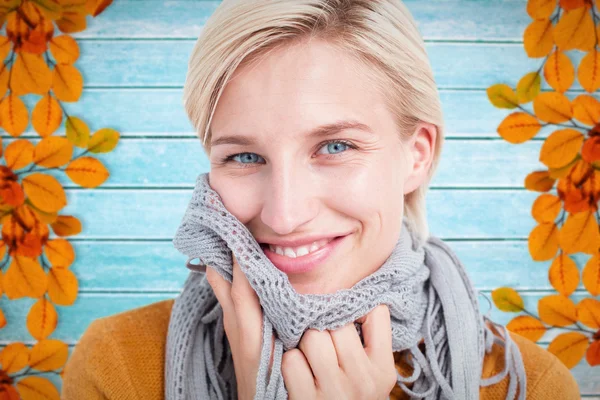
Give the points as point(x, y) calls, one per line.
point(299, 251)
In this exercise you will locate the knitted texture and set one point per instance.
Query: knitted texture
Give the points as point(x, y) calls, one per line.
point(425, 287)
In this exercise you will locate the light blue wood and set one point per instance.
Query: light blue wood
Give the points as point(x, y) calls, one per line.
point(134, 61)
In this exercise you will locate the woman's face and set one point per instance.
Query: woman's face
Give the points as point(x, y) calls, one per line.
point(292, 176)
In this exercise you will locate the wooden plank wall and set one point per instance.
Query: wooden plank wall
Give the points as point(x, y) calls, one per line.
point(134, 60)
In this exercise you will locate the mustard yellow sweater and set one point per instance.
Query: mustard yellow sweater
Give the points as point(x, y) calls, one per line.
point(122, 357)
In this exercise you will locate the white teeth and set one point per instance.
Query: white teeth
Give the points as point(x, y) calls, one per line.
point(294, 252)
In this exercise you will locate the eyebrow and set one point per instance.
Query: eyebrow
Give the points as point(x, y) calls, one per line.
point(319, 132)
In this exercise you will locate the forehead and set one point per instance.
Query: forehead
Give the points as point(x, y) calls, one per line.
point(300, 86)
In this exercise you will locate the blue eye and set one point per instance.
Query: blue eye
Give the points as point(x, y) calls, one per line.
point(246, 158)
point(336, 147)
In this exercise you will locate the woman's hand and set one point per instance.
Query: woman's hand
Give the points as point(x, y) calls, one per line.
point(335, 365)
point(242, 320)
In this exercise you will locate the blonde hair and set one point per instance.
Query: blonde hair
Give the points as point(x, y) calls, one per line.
point(380, 33)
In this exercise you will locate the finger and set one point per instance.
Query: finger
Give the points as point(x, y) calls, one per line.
point(247, 309)
point(377, 334)
point(222, 289)
point(349, 348)
point(320, 353)
point(297, 375)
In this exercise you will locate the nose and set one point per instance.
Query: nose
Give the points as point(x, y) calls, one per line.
point(290, 199)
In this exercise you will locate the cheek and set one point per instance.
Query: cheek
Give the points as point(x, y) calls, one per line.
point(241, 197)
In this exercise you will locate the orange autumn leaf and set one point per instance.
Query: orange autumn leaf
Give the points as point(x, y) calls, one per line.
point(593, 354)
point(48, 355)
point(96, 7)
point(77, 131)
point(528, 327)
point(590, 151)
point(14, 357)
point(71, 22)
point(24, 278)
point(11, 192)
point(543, 241)
point(502, 96)
point(557, 310)
point(586, 109)
point(539, 181)
point(540, 9)
point(64, 49)
point(5, 47)
point(14, 116)
point(563, 275)
point(507, 299)
point(18, 154)
point(588, 312)
point(87, 172)
point(572, 4)
point(519, 127)
point(53, 151)
point(575, 30)
point(538, 39)
point(46, 116)
point(67, 82)
point(2, 318)
point(580, 233)
point(36, 388)
point(66, 225)
point(561, 147)
point(591, 275)
point(4, 76)
point(45, 192)
point(569, 348)
point(588, 72)
point(30, 74)
point(552, 107)
point(60, 253)
point(103, 141)
point(62, 286)
point(546, 208)
point(44, 217)
point(42, 319)
point(559, 71)
point(528, 87)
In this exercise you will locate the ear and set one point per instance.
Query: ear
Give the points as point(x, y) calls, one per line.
point(420, 148)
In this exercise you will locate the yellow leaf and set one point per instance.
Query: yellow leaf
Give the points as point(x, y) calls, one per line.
point(552, 107)
point(502, 96)
point(575, 30)
point(591, 275)
point(588, 72)
point(507, 299)
point(5, 46)
point(540, 9)
point(14, 357)
point(528, 87)
point(569, 347)
point(64, 49)
point(519, 127)
point(45, 192)
point(539, 181)
point(49, 8)
point(77, 131)
point(527, 327)
point(558, 173)
point(37, 388)
point(557, 310)
point(4, 77)
point(67, 82)
point(561, 147)
point(564, 275)
point(60, 253)
point(580, 233)
point(546, 208)
point(44, 217)
point(30, 74)
point(66, 225)
point(71, 22)
point(588, 312)
point(62, 286)
point(24, 278)
point(53, 151)
point(42, 319)
point(46, 116)
point(559, 71)
point(87, 172)
point(538, 39)
point(19, 154)
point(586, 109)
point(593, 353)
point(103, 141)
point(48, 355)
point(14, 116)
point(543, 241)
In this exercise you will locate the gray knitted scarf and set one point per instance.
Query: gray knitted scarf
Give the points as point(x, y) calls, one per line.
point(426, 288)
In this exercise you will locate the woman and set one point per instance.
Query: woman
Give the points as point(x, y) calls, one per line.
point(323, 126)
